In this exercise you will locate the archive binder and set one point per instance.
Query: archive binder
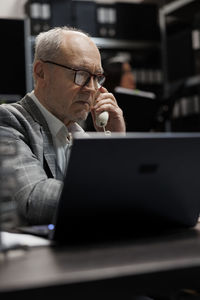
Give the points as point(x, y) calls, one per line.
point(106, 20)
point(45, 15)
point(137, 21)
point(33, 9)
point(84, 16)
point(61, 13)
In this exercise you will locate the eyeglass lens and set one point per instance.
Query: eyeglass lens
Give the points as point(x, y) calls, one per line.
point(82, 78)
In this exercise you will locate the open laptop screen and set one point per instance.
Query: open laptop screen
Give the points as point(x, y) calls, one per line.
point(121, 185)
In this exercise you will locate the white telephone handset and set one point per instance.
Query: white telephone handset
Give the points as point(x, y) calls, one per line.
point(102, 120)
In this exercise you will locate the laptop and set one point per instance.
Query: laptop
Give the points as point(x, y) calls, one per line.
point(124, 186)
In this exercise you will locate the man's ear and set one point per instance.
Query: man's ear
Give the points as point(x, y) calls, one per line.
point(38, 71)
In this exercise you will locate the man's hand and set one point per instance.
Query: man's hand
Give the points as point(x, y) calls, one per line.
point(107, 102)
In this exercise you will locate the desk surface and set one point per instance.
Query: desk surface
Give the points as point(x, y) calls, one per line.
point(166, 262)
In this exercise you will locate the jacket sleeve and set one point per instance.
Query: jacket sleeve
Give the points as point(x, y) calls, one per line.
point(36, 195)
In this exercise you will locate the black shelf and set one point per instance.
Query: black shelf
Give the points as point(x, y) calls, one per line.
point(184, 84)
point(114, 43)
point(109, 43)
point(192, 81)
point(184, 9)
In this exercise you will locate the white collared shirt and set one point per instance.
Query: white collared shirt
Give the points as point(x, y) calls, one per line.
point(60, 133)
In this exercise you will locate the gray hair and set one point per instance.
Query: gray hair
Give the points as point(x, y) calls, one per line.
point(48, 44)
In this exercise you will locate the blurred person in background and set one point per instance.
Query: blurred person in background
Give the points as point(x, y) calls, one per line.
point(119, 73)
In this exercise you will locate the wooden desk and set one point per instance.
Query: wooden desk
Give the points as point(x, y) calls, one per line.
point(161, 264)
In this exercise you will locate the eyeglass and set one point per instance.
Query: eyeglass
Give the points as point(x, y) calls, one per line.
point(81, 77)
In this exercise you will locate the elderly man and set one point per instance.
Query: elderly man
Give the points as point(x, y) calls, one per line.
point(68, 80)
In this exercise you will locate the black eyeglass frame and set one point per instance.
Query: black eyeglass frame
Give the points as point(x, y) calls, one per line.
point(77, 70)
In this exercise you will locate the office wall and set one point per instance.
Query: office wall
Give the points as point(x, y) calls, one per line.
point(12, 9)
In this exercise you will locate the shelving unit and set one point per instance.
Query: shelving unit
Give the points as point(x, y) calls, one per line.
point(180, 48)
point(100, 19)
point(180, 11)
point(141, 51)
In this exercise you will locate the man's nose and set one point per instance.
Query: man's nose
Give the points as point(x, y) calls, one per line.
point(92, 85)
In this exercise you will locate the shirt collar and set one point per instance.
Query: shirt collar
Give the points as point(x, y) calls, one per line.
point(55, 125)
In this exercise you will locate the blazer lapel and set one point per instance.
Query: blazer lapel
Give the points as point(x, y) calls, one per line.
point(49, 152)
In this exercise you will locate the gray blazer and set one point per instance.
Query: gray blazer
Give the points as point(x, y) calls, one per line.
point(39, 179)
